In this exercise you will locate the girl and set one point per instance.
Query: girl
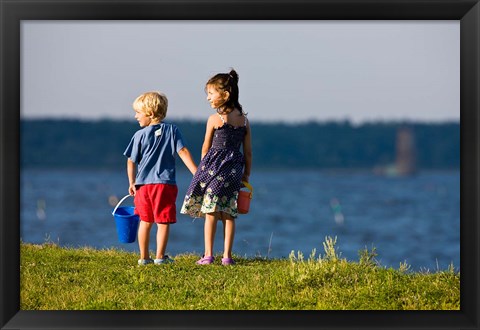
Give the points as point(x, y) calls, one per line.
point(214, 189)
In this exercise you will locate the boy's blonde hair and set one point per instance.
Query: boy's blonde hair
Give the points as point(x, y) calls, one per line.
point(152, 104)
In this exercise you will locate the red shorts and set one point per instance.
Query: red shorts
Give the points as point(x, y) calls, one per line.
point(156, 203)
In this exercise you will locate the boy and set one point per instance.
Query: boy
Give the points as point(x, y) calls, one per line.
point(152, 149)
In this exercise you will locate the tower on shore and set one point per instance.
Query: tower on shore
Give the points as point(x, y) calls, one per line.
point(405, 161)
point(405, 155)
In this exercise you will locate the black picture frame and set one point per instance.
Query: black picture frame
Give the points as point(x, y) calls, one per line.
point(14, 11)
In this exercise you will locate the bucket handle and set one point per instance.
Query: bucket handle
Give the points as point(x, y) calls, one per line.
point(116, 207)
point(249, 187)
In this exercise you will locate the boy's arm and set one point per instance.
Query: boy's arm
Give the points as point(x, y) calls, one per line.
point(131, 177)
point(187, 159)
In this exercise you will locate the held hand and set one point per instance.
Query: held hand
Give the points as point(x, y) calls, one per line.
point(245, 177)
point(195, 169)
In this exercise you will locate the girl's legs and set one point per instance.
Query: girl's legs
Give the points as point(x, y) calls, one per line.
point(211, 228)
point(163, 229)
point(229, 234)
point(143, 238)
point(209, 233)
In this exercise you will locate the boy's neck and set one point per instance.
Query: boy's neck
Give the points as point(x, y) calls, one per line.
point(153, 123)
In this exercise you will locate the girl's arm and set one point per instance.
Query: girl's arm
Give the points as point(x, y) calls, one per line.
point(247, 153)
point(131, 177)
point(187, 159)
point(207, 142)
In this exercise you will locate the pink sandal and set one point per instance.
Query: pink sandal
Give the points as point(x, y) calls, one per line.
point(228, 261)
point(205, 260)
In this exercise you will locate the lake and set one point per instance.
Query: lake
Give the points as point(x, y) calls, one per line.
point(413, 219)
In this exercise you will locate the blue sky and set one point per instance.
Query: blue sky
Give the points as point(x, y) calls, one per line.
point(289, 70)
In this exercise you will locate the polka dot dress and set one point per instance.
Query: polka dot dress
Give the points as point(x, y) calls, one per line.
point(215, 185)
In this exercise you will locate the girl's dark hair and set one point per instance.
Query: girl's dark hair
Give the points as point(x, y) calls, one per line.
point(227, 82)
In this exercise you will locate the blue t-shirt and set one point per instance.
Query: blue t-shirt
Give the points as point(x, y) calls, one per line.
point(153, 149)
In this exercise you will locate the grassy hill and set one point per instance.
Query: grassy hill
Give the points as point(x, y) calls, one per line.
point(55, 278)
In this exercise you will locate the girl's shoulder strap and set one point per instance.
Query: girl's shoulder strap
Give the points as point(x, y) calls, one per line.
point(221, 117)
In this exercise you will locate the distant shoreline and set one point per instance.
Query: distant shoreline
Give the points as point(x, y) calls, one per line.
point(339, 145)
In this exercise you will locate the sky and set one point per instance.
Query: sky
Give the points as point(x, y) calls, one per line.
point(290, 71)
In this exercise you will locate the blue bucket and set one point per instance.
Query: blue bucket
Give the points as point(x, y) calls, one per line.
point(126, 222)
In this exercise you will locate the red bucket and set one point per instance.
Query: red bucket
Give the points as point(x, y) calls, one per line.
point(244, 198)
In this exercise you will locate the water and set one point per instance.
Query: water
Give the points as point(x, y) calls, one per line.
point(414, 220)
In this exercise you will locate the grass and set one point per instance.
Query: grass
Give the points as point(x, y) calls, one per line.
point(56, 278)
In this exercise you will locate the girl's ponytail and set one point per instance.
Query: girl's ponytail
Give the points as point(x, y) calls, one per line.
point(233, 75)
point(228, 82)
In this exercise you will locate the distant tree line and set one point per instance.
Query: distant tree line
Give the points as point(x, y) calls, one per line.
point(49, 143)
